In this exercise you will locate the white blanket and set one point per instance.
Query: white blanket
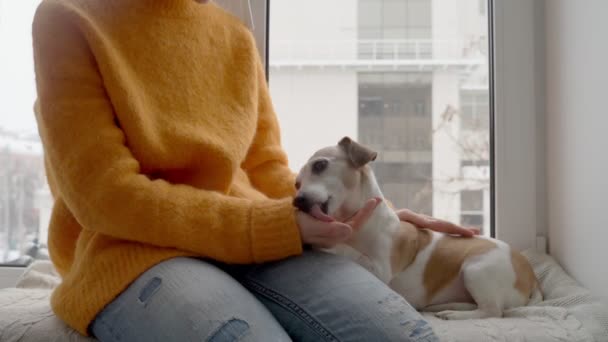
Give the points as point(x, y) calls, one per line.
point(568, 312)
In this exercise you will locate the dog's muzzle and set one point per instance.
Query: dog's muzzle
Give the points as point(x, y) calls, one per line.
point(304, 204)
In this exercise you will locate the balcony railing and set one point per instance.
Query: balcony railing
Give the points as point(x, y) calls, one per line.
point(373, 53)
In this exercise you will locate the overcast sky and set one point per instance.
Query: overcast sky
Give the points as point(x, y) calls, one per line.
point(17, 87)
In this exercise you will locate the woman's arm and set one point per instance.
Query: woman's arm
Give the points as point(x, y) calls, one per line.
point(266, 162)
point(101, 182)
point(442, 226)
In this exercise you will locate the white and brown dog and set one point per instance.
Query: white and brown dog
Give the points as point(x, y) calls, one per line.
point(456, 277)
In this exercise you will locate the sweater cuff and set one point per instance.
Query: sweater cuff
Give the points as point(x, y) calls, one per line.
point(274, 231)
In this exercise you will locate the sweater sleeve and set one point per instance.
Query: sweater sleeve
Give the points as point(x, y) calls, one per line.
point(100, 180)
point(266, 162)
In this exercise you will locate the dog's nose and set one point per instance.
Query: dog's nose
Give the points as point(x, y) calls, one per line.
point(302, 203)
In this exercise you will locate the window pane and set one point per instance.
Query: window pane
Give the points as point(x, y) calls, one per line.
point(471, 200)
point(25, 200)
point(419, 15)
point(409, 78)
point(394, 13)
point(369, 19)
point(469, 220)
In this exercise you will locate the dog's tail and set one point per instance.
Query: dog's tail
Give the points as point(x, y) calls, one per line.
point(537, 295)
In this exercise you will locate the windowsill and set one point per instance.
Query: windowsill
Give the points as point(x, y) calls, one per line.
point(9, 275)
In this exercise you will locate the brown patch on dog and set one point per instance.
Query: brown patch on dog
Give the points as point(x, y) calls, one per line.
point(525, 280)
point(446, 261)
point(408, 241)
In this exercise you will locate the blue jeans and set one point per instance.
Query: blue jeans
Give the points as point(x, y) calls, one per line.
point(312, 297)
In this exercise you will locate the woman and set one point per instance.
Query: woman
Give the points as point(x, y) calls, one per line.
point(173, 218)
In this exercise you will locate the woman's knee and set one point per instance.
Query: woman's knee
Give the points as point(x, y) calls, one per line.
point(326, 297)
point(187, 300)
point(397, 320)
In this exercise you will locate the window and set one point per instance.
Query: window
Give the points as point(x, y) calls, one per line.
point(25, 200)
point(471, 207)
point(483, 4)
point(474, 110)
point(409, 78)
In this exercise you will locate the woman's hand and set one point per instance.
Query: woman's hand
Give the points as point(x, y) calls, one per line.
point(320, 230)
point(442, 226)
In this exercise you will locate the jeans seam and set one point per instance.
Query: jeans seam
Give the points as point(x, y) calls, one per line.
point(293, 307)
point(108, 328)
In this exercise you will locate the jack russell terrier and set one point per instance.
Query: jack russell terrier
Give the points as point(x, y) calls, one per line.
point(455, 277)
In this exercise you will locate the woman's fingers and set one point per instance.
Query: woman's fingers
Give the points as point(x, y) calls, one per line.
point(442, 226)
point(317, 228)
point(332, 234)
point(364, 213)
point(448, 228)
point(335, 230)
point(475, 231)
point(412, 217)
point(322, 230)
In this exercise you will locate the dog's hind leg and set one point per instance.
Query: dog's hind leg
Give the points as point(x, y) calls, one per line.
point(450, 306)
point(487, 306)
point(489, 279)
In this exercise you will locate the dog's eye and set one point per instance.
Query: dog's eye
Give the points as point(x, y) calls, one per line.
point(319, 166)
point(297, 185)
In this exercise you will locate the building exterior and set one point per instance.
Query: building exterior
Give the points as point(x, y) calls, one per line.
point(408, 78)
point(23, 222)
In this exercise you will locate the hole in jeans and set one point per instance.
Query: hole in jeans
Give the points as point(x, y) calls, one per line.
point(418, 328)
point(230, 331)
point(151, 287)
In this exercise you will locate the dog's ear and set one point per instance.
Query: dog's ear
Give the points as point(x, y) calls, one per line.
point(358, 154)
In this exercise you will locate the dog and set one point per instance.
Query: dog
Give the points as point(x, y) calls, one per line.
point(454, 277)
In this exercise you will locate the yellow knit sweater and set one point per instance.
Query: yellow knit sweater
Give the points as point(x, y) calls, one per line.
point(160, 141)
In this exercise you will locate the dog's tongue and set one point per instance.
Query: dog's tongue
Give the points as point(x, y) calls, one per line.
point(317, 213)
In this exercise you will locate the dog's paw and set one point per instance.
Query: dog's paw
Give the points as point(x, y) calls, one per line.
point(457, 315)
point(448, 314)
point(453, 315)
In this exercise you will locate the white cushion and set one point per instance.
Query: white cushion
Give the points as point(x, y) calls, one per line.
point(567, 313)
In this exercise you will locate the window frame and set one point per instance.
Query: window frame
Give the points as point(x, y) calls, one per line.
point(9, 273)
point(518, 122)
point(516, 94)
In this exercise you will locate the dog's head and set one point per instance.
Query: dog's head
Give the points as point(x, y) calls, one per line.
point(331, 179)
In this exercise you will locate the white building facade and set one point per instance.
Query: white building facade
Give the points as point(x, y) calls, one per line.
point(408, 78)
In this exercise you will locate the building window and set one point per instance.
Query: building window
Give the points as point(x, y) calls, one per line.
point(472, 220)
point(396, 75)
point(401, 118)
point(387, 28)
point(483, 7)
point(471, 200)
point(25, 201)
point(394, 19)
point(474, 110)
point(471, 207)
point(476, 163)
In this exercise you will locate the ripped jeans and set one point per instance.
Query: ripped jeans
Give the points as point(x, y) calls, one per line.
point(312, 297)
